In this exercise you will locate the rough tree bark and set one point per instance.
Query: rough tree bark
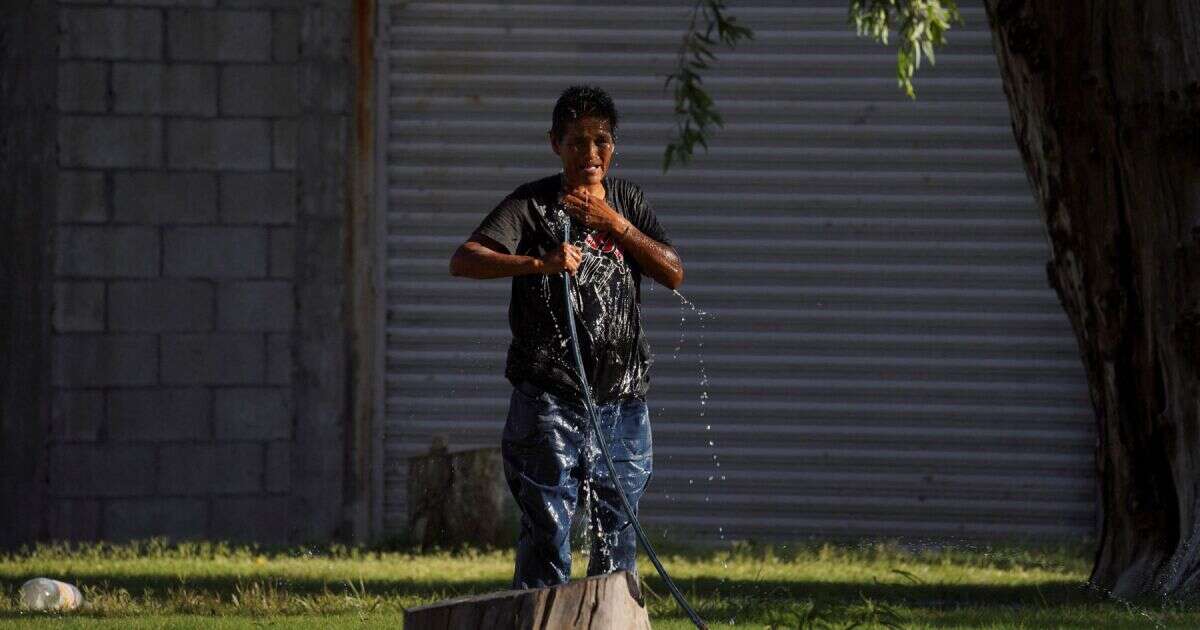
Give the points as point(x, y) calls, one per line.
point(1105, 104)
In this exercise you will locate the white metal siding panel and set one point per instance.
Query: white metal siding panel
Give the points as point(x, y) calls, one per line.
point(880, 354)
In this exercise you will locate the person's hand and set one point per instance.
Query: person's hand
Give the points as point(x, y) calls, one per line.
point(592, 211)
point(565, 257)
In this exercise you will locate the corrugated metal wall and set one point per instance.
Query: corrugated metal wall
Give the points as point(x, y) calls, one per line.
point(880, 354)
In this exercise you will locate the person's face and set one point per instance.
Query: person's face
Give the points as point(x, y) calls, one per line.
point(586, 149)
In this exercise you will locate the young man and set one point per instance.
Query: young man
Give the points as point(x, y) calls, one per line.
point(550, 453)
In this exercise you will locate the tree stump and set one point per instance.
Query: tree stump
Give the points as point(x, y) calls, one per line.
point(459, 498)
point(603, 602)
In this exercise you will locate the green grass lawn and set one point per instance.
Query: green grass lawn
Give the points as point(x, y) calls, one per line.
point(209, 585)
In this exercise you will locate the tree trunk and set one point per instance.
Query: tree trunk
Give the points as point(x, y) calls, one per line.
point(460, 498)
point(1105, 104)
point(604, 602)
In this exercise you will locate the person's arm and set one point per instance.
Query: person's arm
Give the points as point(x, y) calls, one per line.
point(658, 260)
point(483, 258)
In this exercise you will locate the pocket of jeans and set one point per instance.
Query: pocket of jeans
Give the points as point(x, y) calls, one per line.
point(634, 432)
point(635, 448)
point(522, 422)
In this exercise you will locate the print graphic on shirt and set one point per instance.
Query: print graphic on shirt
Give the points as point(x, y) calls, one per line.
point(601, 283)
point(604, 242)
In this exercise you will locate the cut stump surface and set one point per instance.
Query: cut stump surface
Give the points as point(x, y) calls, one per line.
point(603, 602)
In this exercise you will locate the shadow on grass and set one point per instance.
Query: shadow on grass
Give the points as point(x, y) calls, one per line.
point(713, 597)
point(747, 599)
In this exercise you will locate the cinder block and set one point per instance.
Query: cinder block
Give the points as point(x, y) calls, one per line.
point(78, 306)
point(259, 90)
point(283, 138)
point(283, 252)
point(265, 306)
point(206, 469)
point(76, 415)
point(279, 467)
point(253, 413)
point(329, 36)
point(323, 281)
point(216, 252)
point(82, 86)
point(234, 145)
point(81, 197)
point(259, 4)
point(110, 252)
point(74, 520)
point(171, 517)
point(219, 35)
point(285, 36)
point(267, 198)
point(101, 470)
point(262, 519)
point(110, 33)
point(323, 192)
point(198, 4)
point(101, 360)
point(164, 198)
point(151, 415)
point(279, 359)
point(213, 359)
point(153, 88)
point(160, 306)
point(332, 94)
point(109, 142)
point(320, 240)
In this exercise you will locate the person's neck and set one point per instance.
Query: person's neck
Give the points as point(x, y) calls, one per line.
point(596, 190)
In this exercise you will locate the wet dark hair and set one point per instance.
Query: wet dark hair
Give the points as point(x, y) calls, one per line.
point(579, 101)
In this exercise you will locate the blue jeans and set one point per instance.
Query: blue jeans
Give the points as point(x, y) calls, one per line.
point(550, 454)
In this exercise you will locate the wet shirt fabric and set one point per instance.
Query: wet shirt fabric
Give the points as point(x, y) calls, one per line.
point(606, 292)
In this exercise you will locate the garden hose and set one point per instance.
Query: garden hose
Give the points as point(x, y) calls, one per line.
point(612, 471)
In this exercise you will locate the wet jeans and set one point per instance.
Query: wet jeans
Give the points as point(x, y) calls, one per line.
point(550, 457)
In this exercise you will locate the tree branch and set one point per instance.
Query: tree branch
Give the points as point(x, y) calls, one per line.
point(694, 110)
point(922, 26)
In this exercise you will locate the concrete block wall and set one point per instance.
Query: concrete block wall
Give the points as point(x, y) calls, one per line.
point(175, 291)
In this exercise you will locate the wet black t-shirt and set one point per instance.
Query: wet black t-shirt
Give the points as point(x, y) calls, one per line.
point(605, 296)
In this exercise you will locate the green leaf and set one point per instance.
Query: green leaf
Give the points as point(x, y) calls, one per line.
point(927, 46)
point(694, 108)
point(921, 25)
